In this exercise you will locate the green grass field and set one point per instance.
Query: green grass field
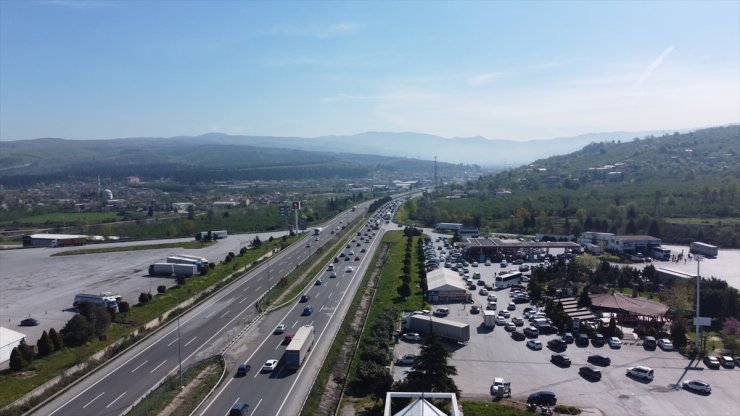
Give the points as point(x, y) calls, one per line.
point(67, 218)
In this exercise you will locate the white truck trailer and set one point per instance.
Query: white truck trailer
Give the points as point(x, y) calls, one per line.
point(317, 230)
point(110, 302)
point(443, 327)
point(296, 352)
point(168, 269)
point(704, 249)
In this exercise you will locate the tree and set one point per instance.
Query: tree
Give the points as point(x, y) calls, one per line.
point(679, 329)
point(731, 334)
point(28, 352)
point(98, 316)
point(404, 290)
point(430, 371)
point(17, 362)
point(44, 345)
point(584, 300)
point(56, 339)
point(77, 330)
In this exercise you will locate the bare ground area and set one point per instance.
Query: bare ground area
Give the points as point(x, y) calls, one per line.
point(182, 403)
point(333, 390)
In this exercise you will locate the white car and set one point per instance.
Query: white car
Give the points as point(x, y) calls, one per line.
point(500, 320)
point(280, 329)
point(412, 336)
point(492, 298)
point(665, 344)
point(269, 366)
point(483, 292)
point(641, 372)
point(349, 269)
point(491, 306)
point(614, 342)
point(406, 359)
point(517, 321)
point(697, 385)
point(534, 344)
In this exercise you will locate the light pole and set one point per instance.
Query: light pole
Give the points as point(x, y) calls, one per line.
point(697, 342)
point(179, 349)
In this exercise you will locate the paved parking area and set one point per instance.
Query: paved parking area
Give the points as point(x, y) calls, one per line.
point(494, 354)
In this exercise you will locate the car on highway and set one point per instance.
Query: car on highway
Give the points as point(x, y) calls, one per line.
point(357, 258)
point(318, 282)
point(288, 337)
point(279, 329)
point(29, 322)
point(665, 344)
point(534, 344)
point(270, 365)
point(560, 360)
point(518, 336)
point(406, 359)
point(333, 275)
point(243, 370)
point(598, 359)
point(590, 372)
point(642, 372)
point(239, 409)
point(698, 386)
point(412, 337)
point(363, 250)
point(349, 269)
point(308, 310)
point(305, 298)
point(711, 362)
point(542, 398)
point(614, 342)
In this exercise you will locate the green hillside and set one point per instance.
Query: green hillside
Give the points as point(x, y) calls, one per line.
point(680, 187)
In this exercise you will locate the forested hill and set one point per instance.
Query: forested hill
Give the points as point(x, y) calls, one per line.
point(53, 160)
point(680, 187)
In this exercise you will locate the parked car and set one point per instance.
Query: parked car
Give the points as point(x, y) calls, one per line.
point(511, 306)
point(531, 332)
point(561, 360)
point(711, 362)
point(649, 343)
point(510, 327)
point(698, 386)
point(406, 359)
point(601, 360)
point(475, 309)
point(500, 320)
point(568, 338)
point(557, 344)
point(483, 292)
point(665, 344)
point(639, 371)
point(598, 340)
point(542, 398)
point(614, 342)
point(518, 336)
point(29, 322)
point(491, 306)
point(534, 344)
point(517, 321)
point(727, 362)
point(412, 337)
point(582, 340)
point(590, 372)
point(492, 298)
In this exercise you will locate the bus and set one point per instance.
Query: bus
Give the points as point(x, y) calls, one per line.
point(508, 279)
point(660, 253)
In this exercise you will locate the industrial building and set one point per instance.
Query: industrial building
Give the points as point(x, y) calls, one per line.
point(53, 240)
point(9, 339)
point(495, 247)
point(445, 286)
point(632, 244)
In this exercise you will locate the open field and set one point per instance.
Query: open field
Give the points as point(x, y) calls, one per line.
point(65, 218)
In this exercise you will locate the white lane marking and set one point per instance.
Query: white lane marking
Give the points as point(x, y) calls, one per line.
point(225, 313)
point(155, 368)
point(115, 400)
point(240, 302)
point(245, 289)
point(258, 288)
point(96, 398)
point(139, 366)
point(173, 341)
point(295, 324)
point(254, 411)
point(330, 293)
point(209, 315)
point(188, 343)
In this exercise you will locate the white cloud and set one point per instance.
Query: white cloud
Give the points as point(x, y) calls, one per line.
point(653, 66)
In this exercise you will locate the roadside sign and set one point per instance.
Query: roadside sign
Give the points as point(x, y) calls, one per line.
point(702, 321)
point(296, 205)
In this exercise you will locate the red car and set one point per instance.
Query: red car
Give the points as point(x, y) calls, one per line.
point(357, 258)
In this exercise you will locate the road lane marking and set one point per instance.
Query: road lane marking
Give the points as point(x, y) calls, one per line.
point(155, 368)
point(173, 341)
point(210, 314)
point(96, 398)
point(188, 343)
point(254, 411)
point(139, 366)
point(330, 293)
point(240, 302)
point(294, 325)
point(225, 313)
point(258, 288)
point(115, 400)
point(245, 289)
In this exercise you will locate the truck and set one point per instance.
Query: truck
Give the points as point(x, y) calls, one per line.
point(445, 328)
point(110, 302)
point(215, 235)
point(489, 319)
point(168, 269)
point(184, 260)
point(317, 230)
point(500, 388)
point(354, 208)
point(703, 249)
point(296, 352)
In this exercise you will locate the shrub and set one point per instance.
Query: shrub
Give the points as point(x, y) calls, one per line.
point(56, 339)
point(161, 289)
point(204, 271)
point(124, 307)
point(77, 330)
point(44, 345)
point(180, 279)
point(17, 362)
point(143, 298)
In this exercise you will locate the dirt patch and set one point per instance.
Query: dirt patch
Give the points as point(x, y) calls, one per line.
point(182, 403)
point(334, 386)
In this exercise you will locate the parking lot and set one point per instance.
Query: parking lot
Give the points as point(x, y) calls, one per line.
point(493, 353)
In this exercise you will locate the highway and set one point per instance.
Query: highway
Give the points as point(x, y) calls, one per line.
point(204, 331)
point(283, 391)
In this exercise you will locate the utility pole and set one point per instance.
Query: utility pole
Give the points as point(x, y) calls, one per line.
point(435, 175)
point(697, 342)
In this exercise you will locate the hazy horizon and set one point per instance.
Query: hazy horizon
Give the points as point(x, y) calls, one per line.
point(79, 69)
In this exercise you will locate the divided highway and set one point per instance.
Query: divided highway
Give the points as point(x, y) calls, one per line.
point(113, 389)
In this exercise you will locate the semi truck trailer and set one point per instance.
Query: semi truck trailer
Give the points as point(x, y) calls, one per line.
point(443, 327)
point(296, 352)
point(168, 269)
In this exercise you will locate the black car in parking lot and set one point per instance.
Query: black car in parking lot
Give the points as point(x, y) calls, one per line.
point(598, 340)
point(582, 340)
point(561, 360)
point(518, 336)
point(557, 345)
point(599, 360)
point(542, 398)
point(590, 372)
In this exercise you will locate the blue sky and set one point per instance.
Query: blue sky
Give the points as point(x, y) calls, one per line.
point(502, 70)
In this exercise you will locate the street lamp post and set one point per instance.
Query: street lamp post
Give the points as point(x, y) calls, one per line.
point(179, 349)
point(697, 342)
